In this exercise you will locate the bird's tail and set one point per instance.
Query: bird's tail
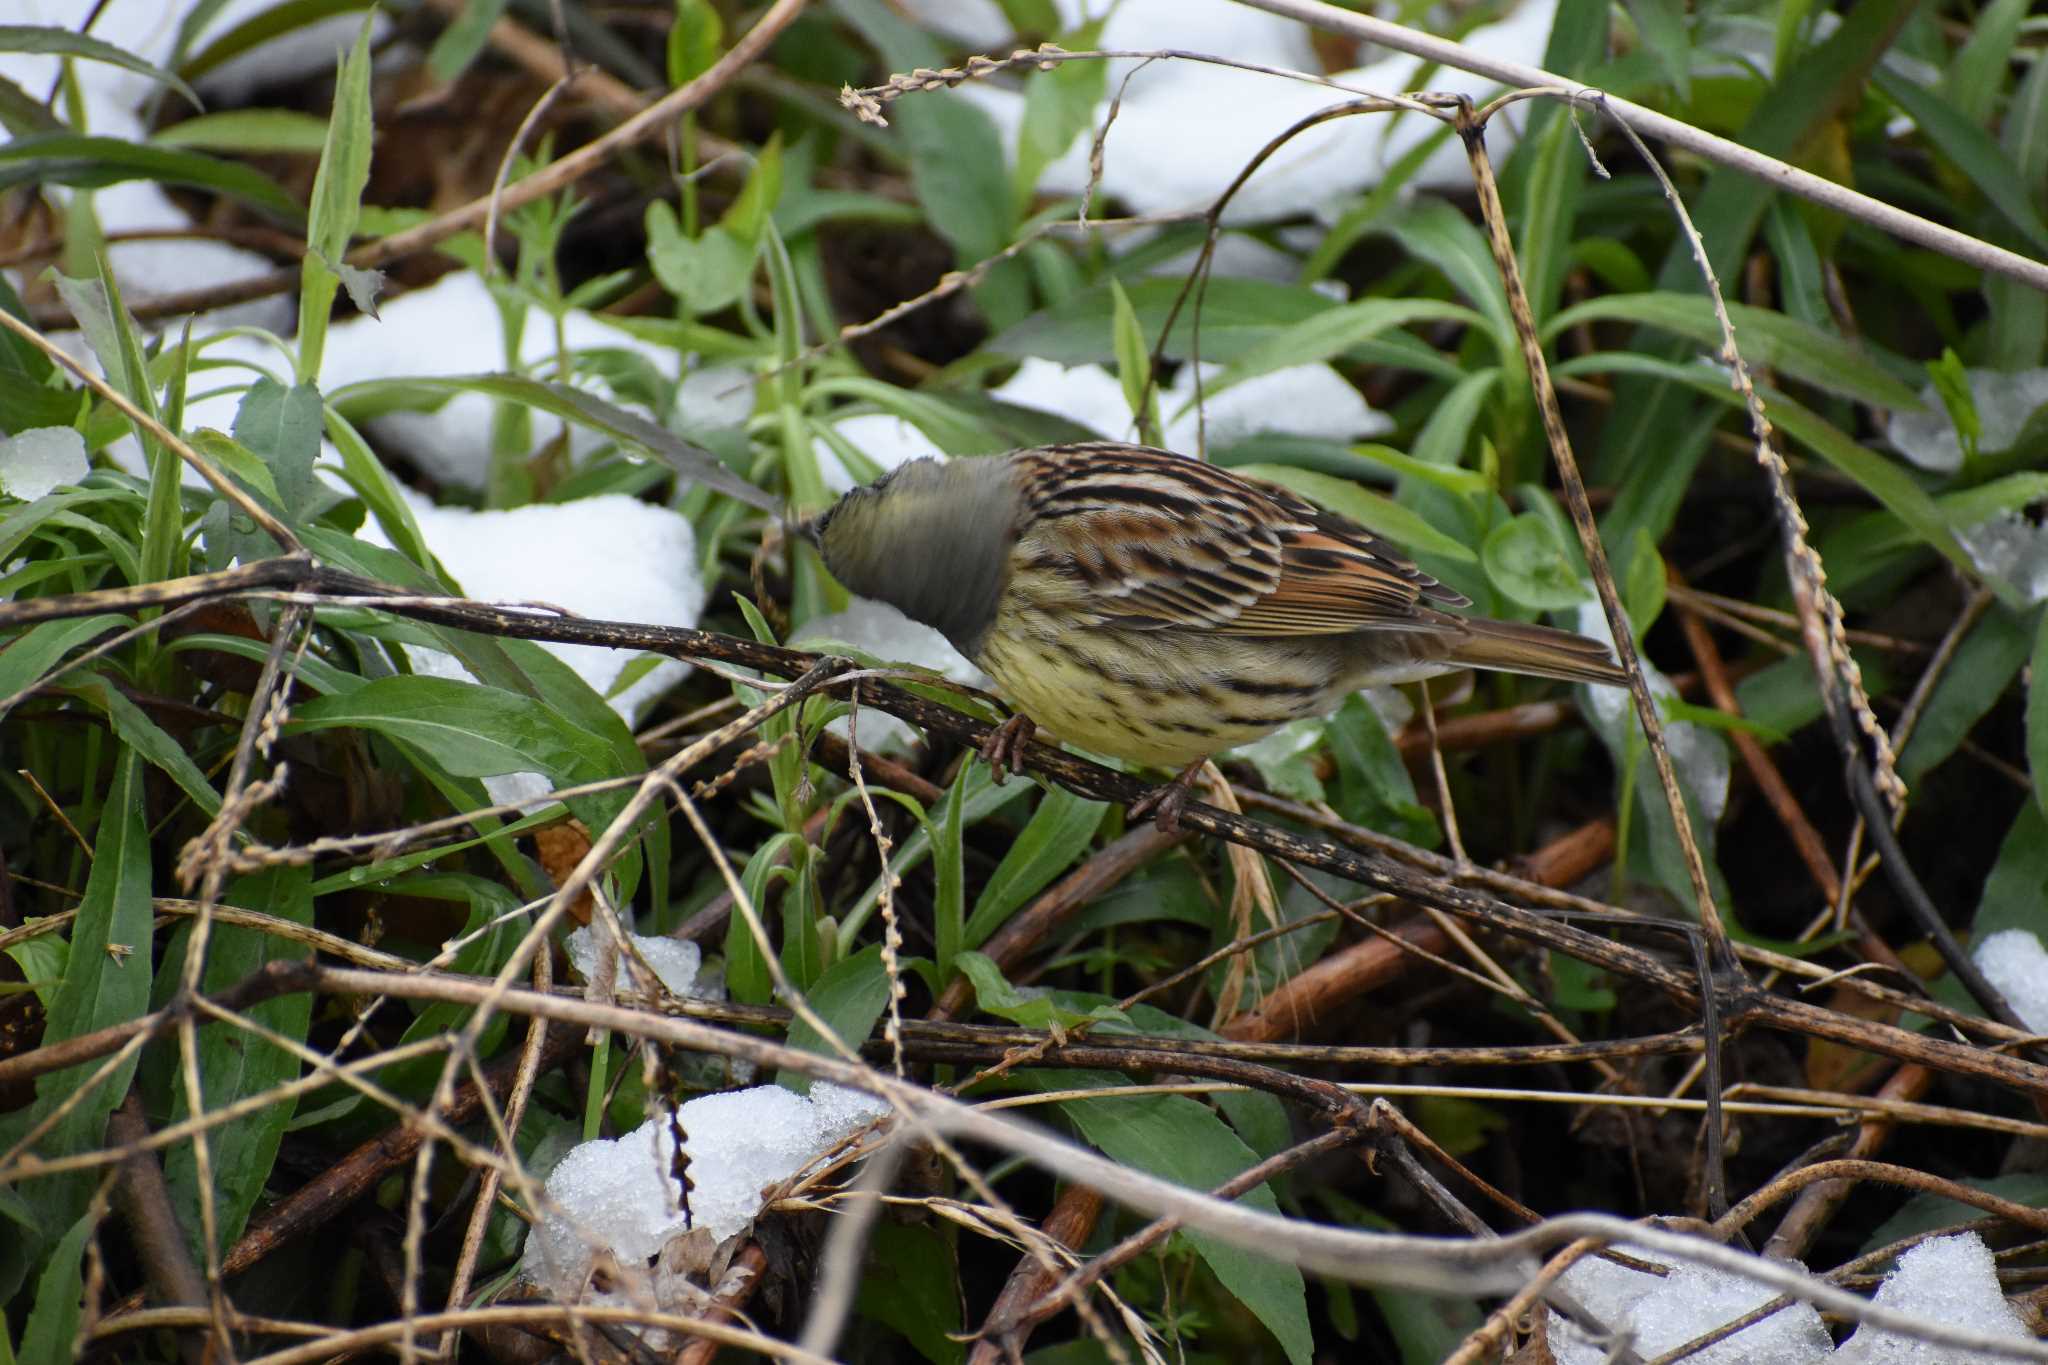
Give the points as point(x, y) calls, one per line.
point(1514, 647)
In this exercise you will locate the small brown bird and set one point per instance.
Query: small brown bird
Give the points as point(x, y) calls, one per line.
point(1158, 609)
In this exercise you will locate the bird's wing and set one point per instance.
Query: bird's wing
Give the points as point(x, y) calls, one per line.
point(1147, 540)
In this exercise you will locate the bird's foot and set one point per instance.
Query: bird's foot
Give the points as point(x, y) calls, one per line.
point(1164, 803)
point(1003, 750)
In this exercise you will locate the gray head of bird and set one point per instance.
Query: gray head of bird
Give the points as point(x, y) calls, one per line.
point(931, 538)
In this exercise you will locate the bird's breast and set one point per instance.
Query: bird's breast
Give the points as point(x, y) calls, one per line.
point(1163, 698)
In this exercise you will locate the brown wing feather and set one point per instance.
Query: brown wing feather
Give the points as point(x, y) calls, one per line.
point(1152, 540)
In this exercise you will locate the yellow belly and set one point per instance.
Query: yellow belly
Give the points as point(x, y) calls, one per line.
point(1162, 699)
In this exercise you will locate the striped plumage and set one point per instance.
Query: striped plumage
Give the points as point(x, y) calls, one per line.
point(1156, 608)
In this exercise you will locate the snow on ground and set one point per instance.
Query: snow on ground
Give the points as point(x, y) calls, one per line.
point(1172, 106)
point(1946, 1280)
point(621, 1196)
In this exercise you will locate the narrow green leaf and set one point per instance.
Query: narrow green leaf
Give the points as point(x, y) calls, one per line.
point(107, 983)
point(2037, 714)
point(1662, 26)
point(1985, 664)
point(1768, 339)
point(1063, 825)
point(1173, 1137)
point(53, 1321)
point(1059, 106)
point(2012, 897)
point(1970, 148)
point(1133, 357)
point(469, 729)
point(850, 996)
point(1375, 512)
point(695, 39)
point(336, 202)
point(1977, 74)
point(949, 876)
point(692, 461)
point(63, 42)
point(258, 29)
point(28, 659)
point(234, 1066)
point(247, 130)
point(86, 162)
point(746, 957)
point(1333, 332)
point(464, 37)
point(145, 737)
point(909, 1274)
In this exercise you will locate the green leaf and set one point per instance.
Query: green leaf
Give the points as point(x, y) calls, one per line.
point(282, 426)
point(27, 659)
point(337, 201)
point(462, 38)
point(258, 29)
point(850, 996)
point(949, 875)
point(53, 1322)
point(1236, 315)
point(1525, 559)
point(1984, 666)
point(234, 1066)
point(746, 957)
point(247, 130)
point(2037, 714)
point(1952, 386)
point(1173, 1137)
point(1373, 785)
point(1878, 476)
point(89, 163)
point(1376, 513)
point(707, 273)
point(1059, 105)
point(107, 983)
point(1970, 148)
point(1060, 829)
point(1332, 333)
point(1926, 1212)
point(1436, 231)
point(1977, 74)
point(145, 737)
point(42, 962)
point(1645, 585)
point(694, 40)
point(1662, 26)
point(471, 730)
point(63, 42)
point(1768, 340)
point(1030, 1006)
point(909, 1279)
point(692, 461)
point(2015, 895)
point(1133, 359)
point(961, 178)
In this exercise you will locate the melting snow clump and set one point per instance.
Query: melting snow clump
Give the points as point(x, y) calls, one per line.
point(2015, 962)
point(620, 1196)
point(39, 459)
point(1660, 1314)
point(1947, 1279)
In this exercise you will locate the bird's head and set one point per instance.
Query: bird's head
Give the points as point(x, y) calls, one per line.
point(931, 538)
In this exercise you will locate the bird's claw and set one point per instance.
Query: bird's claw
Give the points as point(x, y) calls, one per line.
point(1003, 750)
point(1164, 803)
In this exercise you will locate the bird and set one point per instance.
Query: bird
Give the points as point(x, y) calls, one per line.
point(1157, 608)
